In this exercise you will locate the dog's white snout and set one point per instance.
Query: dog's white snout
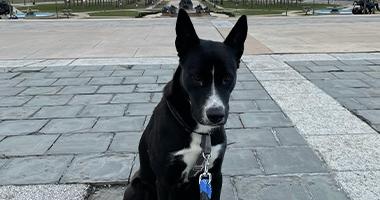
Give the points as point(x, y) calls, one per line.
point(214, 110)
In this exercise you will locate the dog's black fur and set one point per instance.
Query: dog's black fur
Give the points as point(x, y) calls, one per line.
point(201, 64)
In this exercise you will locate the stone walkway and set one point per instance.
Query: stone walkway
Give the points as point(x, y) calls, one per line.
point(353, 83)
point(80, 122)
point(347, 144)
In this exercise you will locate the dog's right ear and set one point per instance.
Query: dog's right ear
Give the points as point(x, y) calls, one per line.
point(186, 35)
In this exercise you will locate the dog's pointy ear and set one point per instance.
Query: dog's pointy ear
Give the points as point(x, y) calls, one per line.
point(237, 36)
point(186, 35)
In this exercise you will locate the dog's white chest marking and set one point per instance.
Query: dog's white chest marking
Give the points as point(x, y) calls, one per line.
point(190, 154)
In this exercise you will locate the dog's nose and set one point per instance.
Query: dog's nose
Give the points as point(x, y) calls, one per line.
point(215, 114)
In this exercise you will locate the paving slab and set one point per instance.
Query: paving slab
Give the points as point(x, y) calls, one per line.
point(289, 137)
point(103, 110)
point(324, 187)
point(51, 100)
point(65, 74)
point(86, 68)
point(132, 98)
point(149, 87)
point(326, 68)
point(111, 168)
point(228, 191)
point(58, 112)
point(34, 170)
point(246, 138)
point(71, 81)
point(119, 124)
point(372, 115)
point(14, 100)
point(8, 75)
point(3, 161)
point(106, 80)
point(267, 105)
point(69, 125)
point(26, 145)
point(10, 91)
point(96, 73)
point(370, 103)
point(116, 89)
point(243, 106)
point(140, 108)
point(249, 95)
point(128, 73)
point(37, 82)
point(248, 164)
point(78, 90)
point(140, 80)
point(21, 127)
point(234, 121)
point(247, 85)
point(341, 83)
point(125, 142)
point(290, 160)
point(273, 188)
point(40, 90)
point(44, 192)
point(17, 112)
point(91, 99)
point(81, 143)
point(10, 83)
point(317, 76)
point(351, 103)
point(58, 68)
point(270, 119)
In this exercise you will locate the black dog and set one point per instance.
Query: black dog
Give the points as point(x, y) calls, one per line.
point(195, 103)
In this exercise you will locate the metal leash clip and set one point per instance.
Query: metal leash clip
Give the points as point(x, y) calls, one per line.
point(205, 179)
point(206, 163)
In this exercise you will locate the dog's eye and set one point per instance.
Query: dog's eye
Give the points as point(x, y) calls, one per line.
point(226, 79)
point(197, 79)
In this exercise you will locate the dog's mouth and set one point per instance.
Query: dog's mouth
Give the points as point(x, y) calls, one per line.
point(210, 124)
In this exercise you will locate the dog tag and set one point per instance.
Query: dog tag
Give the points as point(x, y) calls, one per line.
point(205, 189)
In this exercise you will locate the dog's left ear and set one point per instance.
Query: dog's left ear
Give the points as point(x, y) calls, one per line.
point(237, 36)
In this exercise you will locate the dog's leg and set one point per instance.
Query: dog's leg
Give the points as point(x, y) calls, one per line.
point(139, 190)
point(163, 191)
point(217, 181)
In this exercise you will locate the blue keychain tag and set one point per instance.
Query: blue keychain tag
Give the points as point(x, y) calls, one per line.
point(205, 187)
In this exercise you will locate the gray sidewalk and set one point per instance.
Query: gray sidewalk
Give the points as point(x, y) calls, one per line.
point(80, 123)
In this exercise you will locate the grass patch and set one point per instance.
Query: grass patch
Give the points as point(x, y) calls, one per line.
point(258, 12)
point(249, 5)
point(247, 8)
point(79, 8)
point(125, 13)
